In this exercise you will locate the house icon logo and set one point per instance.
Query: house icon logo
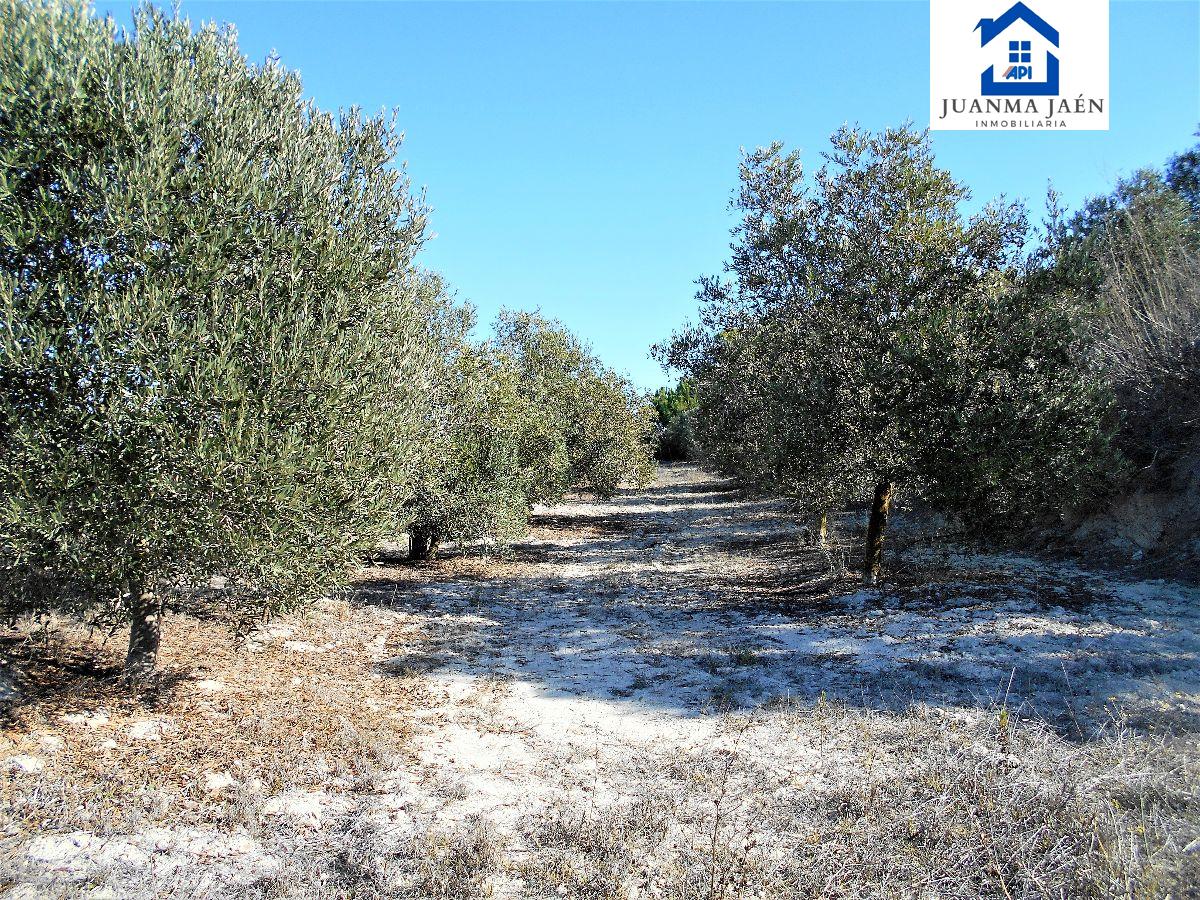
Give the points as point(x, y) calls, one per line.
point(1015, 34)
point(1036, 65)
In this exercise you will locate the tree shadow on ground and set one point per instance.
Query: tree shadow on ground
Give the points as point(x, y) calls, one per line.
point(686, 616)
point(68, 675)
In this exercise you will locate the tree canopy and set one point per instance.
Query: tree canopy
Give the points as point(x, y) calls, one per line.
point(868, 336)
point(223, 375)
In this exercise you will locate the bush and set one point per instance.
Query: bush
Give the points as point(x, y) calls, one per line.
point(472, 482)
point(582, 425)
point(1136, 250)
point(214, 338)
point(677, 439)
point(1150, 346)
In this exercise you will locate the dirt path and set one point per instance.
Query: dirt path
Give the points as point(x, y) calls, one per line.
point(670, 694)
point(634, 631)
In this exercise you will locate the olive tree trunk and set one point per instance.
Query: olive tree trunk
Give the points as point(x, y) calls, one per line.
point(880, 508)
point(423, 544)
point(145, 632)
point(823, 529)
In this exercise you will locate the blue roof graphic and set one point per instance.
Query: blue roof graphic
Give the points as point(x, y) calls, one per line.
point(990, 28)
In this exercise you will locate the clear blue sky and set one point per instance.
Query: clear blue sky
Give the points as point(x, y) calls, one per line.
point(579, 157)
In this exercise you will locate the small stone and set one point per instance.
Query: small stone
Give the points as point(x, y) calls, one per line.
point(25, 765)
point(302, 807)
point(91, 720)
point(218, 781)
point(302, 647)
point(145, 731)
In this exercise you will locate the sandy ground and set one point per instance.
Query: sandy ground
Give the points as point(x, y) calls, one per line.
point(627, 653)
point(636, 623)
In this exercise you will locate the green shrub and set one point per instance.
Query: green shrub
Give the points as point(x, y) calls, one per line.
point(582, 425)
point(676, 433)
point(1135, 251)
point(472, 483)
point(516, 421)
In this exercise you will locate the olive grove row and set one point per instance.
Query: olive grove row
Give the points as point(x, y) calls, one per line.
point(870, 338)
point(223, 376)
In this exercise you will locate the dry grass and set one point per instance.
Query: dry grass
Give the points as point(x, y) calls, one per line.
point(919, 804)
point(296, 707)
point(456, 862)
point(925, 806)
point(345, 707)
point(928, 806)
point(1150, 341)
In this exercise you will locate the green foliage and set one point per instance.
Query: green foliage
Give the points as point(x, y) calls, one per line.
point(1136, 226)
point(677, 441)
point(582, 425)
point(219, 358)
point(1136, 252)
point(670, 403)
point(520, 420)
point(870, 333)
point(1183, 176)
point(213, 342)
point(471, 484)
point(1023, 427)
point(676, 433)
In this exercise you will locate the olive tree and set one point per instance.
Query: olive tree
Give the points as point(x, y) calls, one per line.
point(581, 425)
point(471, 484)
point(871, 337)
point(518, 420)
point(212, 343)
